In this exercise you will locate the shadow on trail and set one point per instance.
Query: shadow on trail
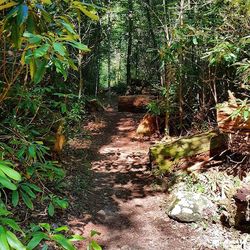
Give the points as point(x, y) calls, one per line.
point(108, 171)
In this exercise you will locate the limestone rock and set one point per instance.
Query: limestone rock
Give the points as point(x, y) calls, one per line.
point(190, 207)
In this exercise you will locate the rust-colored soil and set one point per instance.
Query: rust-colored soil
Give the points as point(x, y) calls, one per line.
point(118, 196)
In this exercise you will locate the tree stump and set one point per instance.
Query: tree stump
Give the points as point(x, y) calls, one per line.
point(242, 202)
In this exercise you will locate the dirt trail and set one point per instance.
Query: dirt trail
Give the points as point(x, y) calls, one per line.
point(120, 199)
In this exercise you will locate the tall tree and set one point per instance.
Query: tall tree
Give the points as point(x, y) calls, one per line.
point(130, 40)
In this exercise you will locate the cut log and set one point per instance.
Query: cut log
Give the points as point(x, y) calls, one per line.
point(166, 155)
point(227, 123)
point(134, 103)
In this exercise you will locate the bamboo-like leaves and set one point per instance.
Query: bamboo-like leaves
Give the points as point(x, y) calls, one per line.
point(89, 13)
point(7, 174)
point(7, 4)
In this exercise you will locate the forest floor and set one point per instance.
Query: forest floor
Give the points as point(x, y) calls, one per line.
point(113, 192)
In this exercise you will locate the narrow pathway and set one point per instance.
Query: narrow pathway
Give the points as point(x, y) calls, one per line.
point(119, 197)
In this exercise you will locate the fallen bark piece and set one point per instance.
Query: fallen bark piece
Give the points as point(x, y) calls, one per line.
point(190, 207)
point(166, 155)
point(150, 124)
point(134, 103)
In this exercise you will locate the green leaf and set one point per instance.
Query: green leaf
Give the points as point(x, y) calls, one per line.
point(45, 226)
point(15, 198)
point(195, 42)
point(27, 200)
point(35, 39)
point(63, 108)
point(72, 65)
point(32, 151)
point(13, 174)
point(11, 223)
point(60, 68)
point(79, 46)
point(7, 183)
point(33, 186)
point(8, 5)
point(93, 233)
point(62, 228)
point(22, 14)
point(95, 245)
point(64, 242)
point(59, 48)
point(41, 51)
point(77, 238)
point(246, 114)
point(68, 26)
point(46, 1)
point(91, 14)
point(36, 239)
point(28, 191)
point(3, 239)
point(21, 152)
point(14, 242)
point(4, 212)
point(51, 209)
point(40, 70)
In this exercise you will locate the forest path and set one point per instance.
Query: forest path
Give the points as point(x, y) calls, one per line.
point(118, 196)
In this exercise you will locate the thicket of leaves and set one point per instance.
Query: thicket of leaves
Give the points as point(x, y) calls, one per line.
point(39, 47)
point(191, 52)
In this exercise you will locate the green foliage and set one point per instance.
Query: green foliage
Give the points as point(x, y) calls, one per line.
point(223, 52)
point(43, 232)
point(8, 175)
point(56, 202)
point(37, 38)
point(243, 111)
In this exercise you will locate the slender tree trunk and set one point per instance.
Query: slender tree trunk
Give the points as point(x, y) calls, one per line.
point(109, 48)
point(150, 25)
point(130, 40)
point(181, 62)
point(97, 79)
point(98, 58)
point(152, 35)
point(119, 75)
point(167, 71)
point(80, 57)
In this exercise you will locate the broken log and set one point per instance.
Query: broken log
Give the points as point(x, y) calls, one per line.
point(167, 155)
point(134, 103)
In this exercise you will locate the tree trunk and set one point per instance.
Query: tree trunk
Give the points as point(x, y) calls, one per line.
point(80, 57)
point(152, 36)
point(130, 40)
point(109, 48)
